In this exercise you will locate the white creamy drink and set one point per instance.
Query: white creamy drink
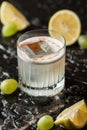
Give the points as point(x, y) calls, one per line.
point(41, 65)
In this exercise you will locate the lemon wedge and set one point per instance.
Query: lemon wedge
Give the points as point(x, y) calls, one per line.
point(67, 23)
point(74, 117)
point(9, 13)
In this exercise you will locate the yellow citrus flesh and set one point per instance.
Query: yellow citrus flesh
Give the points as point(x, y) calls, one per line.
point(67, 23)
point(11, 14)
point(74, 117)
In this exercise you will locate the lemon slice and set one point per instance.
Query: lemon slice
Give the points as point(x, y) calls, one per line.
point(74, 117)
point(67, 23)
point(11, 14)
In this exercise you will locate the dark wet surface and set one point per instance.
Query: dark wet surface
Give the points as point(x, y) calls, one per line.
point(18, 111)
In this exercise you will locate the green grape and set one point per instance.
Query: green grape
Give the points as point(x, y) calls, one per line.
point(9, 29)
point(46, 122)
point(8, 86)
point(82, 41)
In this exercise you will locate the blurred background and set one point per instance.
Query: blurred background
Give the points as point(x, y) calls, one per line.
point(38, 12)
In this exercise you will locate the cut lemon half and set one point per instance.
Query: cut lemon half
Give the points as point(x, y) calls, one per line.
point(9, 13)
point(67, 23)
point(74, 117)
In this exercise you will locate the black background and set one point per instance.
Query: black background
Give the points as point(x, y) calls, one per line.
point(38, 12)
point(43, 9)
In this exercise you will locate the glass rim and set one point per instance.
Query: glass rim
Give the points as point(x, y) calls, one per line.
point(45, 30)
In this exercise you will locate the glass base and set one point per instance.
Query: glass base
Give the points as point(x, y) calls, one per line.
point(47, 92)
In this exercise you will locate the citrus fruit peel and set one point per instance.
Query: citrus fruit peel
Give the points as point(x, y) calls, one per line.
point(74, 117)
point(9, 13)
point(67, 23)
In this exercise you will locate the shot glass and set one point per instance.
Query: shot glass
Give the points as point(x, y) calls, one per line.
point(41, 63)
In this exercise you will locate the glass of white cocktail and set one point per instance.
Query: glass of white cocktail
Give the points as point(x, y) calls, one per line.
point(41, 63)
